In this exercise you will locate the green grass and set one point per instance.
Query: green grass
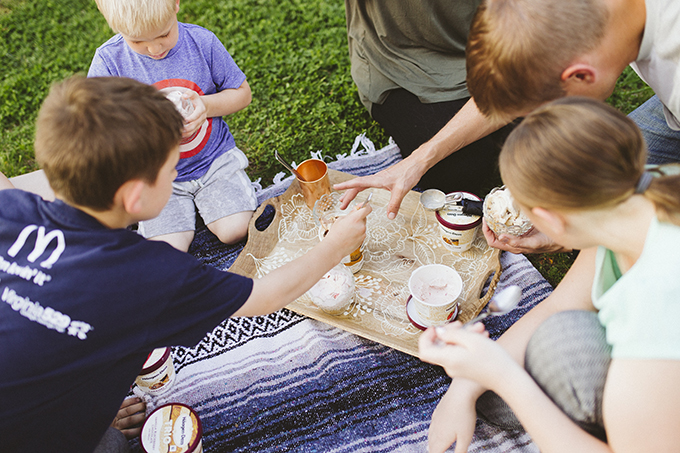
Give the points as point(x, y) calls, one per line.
point(294, 54)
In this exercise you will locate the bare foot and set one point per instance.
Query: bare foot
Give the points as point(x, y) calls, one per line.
point(130, 417)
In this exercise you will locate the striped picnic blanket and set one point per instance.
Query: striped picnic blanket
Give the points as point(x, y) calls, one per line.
point(284, 382)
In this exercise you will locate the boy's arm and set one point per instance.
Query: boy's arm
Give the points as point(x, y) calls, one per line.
point(285, 284)
point(221, 103)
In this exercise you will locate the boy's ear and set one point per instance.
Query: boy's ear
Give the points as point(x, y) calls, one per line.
point(577, 75)
point(552, 219)
point(177, 7)
point(129, 196)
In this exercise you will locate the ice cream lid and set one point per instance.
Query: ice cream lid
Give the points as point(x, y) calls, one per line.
point(454, 218)
point(172, 427)
point(155, 360)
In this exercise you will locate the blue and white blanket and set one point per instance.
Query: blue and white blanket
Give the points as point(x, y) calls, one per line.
point(287, 383)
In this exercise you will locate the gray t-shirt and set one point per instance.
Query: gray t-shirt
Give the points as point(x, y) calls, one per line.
point(412, 44)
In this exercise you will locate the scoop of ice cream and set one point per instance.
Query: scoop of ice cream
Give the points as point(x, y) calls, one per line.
point(502, 209)
point(334, 291)
point(435, 292)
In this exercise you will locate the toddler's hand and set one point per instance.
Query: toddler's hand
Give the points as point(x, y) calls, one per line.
point(348, 232)
point(194, 121)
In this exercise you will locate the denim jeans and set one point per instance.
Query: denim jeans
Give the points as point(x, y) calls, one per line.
point(662, 141)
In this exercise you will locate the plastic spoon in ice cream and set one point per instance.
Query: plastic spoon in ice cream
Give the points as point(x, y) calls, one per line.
point(501, 303)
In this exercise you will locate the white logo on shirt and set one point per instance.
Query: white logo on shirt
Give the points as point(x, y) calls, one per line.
point(41, 243)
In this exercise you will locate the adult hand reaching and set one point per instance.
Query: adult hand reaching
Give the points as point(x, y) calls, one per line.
point(532, 242)
point(399, 179)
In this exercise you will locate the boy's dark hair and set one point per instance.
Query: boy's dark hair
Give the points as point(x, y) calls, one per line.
point(95, 134)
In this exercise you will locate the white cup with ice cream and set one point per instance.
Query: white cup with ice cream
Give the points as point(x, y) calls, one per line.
point(435, 290)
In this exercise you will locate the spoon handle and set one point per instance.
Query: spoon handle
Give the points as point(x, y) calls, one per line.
point(477, 318)
point(290, 169)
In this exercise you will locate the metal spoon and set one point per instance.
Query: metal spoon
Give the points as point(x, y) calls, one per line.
point(500, 303)
point(435, 199)
point(290, 169)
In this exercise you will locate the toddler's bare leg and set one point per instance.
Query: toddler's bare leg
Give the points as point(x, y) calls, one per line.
point(181, 241)
point(232, 228)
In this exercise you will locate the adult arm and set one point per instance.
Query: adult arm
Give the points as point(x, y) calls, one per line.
point(454, 418)
point(222, 103)
point(285, 284)
point(467, 126)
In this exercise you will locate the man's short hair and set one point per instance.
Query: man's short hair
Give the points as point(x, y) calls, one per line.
point(95, 134)
point(518, 49)
point(137, 17)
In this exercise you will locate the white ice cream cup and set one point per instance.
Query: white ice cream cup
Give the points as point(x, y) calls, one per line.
point(435, 289)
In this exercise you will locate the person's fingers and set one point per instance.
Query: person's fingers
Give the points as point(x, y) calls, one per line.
point(130, 417)
point(396, 197)
point(347, 197)
point(462, 443)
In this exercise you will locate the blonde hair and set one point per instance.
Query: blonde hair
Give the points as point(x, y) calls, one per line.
point(137, 17)
point(579, 153)
point(518, 49)
point(94, 134)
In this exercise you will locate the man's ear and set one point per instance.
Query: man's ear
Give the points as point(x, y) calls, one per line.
point(129, 196)
point(552, 219)
point(578, 76)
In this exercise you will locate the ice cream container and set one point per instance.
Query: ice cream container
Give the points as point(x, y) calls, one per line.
point(458, 229)
point(158, 372)
point(335, 291)
point(173, 427)
point(435, 289)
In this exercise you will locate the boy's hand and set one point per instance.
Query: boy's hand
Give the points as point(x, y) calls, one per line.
point(194, 121)
point(349, 231)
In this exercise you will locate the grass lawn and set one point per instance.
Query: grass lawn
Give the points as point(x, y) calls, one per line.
point(294, 54)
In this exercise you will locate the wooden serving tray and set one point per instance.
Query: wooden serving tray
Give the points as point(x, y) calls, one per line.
point(393, 249)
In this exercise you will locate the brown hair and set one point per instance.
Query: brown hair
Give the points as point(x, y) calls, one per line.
point(136, 17)
point(518, 49)
point(579, 153)
point(94, 134)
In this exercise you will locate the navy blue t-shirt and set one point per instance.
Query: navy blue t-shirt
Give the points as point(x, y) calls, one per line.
point(81, 306)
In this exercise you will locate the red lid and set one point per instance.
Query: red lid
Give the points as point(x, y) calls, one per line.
point(150, 367)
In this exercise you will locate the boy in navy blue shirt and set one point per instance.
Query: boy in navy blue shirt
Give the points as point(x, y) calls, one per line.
point(83, 299)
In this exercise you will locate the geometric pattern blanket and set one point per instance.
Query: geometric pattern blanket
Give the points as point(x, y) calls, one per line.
point(287, 383)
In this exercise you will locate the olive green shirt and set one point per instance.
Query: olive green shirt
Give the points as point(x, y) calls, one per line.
point(418, 45)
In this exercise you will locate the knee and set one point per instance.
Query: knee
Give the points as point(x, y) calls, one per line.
point(568, 357)
point(233, 228)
